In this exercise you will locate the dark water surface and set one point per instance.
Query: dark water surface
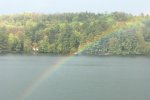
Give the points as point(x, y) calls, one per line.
point(80, 78)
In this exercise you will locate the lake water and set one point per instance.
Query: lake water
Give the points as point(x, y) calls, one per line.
point(79, 78)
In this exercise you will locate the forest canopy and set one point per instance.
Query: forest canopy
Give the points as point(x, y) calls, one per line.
point(116, 33)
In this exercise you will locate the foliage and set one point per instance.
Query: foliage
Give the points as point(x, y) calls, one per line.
point(116, 33)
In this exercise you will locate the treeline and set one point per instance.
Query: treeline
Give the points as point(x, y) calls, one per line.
point(114, 33)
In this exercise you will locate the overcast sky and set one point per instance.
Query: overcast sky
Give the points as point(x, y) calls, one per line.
point(60, 6)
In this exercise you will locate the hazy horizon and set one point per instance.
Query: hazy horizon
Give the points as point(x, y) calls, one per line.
point(135, 7)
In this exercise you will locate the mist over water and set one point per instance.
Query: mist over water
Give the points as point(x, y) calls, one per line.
point(80, 78)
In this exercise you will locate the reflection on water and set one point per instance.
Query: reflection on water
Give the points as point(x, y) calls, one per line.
point(80, 78)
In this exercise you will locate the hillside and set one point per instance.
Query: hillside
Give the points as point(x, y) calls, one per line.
point(116, 33)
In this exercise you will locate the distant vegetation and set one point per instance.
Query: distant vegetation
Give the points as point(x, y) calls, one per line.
point(116, 33)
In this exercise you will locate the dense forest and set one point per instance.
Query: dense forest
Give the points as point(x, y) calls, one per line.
point(116, 33)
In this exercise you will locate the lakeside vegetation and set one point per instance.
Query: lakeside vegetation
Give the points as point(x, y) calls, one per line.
point(116, 33)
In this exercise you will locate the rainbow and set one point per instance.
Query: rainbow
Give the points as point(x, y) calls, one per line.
point(50, 70)
point(43, 76)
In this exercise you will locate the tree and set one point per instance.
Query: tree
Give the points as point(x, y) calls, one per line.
point(3, 40)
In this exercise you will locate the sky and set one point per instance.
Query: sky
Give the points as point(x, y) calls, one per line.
point(61, 6)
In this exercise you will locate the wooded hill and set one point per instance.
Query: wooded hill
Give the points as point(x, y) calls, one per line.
point(115, 33)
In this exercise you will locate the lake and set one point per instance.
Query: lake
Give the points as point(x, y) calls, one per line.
point(75, 78)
